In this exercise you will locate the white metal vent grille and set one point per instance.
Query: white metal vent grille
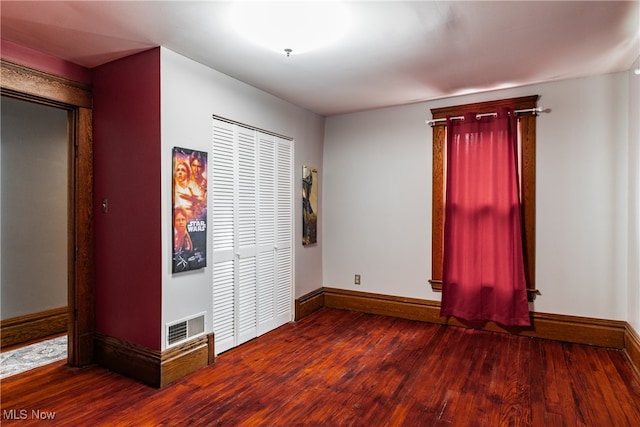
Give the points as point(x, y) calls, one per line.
point(177, 333)
point(184, 329)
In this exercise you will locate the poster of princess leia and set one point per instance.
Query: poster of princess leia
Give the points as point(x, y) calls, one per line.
point(189, 209)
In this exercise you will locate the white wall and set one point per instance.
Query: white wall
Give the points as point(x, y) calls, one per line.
point(34, 208)
point(377, 201)
point(634, 197)
point(191, 93)
point(375, 189)
point(377, 197)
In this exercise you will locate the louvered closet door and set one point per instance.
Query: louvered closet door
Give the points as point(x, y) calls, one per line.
point(222, 173)
point(234, 235)
point(252, 225)
point(275, 232)
point(266, 232)
point(246, 214)
point(284, 233)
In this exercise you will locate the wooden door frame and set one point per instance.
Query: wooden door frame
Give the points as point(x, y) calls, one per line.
point(28, 84)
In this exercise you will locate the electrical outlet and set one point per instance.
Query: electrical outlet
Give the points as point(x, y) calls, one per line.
point(357, 281)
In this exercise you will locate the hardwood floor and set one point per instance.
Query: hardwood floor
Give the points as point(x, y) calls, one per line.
point(339, 367)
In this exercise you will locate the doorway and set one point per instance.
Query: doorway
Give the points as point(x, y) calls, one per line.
point(34, 159)
point(75, 99)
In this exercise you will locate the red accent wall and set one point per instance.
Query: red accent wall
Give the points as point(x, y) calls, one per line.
point(127, 167)
point(41, 61)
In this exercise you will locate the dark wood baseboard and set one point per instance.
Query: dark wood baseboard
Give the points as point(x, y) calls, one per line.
point(582, 330)
point(180, 361)
point(153, 367)
point(31, 327)
point(405, 308)
point(128, 359)
point(309, 303)
point(632, 347)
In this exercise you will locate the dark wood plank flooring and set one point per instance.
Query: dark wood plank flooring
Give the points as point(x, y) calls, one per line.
point(337, 368)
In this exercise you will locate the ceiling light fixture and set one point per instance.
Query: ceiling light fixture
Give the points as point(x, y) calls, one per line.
point(290, 27)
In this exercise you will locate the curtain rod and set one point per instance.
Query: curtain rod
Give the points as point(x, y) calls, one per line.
point(535, 111)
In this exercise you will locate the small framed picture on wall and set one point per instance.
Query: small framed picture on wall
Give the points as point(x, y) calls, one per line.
point(309, 205)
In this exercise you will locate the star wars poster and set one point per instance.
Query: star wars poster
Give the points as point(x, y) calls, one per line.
point(189, 209)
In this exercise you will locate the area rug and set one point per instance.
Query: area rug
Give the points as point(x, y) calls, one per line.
point(32, 356)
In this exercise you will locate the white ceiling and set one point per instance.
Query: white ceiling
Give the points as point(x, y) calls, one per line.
point(395, 52)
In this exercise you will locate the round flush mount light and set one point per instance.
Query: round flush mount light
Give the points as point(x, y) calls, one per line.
point(290, 28)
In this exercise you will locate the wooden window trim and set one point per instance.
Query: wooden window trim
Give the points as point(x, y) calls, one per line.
point(528, 159)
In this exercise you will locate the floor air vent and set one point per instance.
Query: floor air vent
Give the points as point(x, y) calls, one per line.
point(184, 329)
point(177, 333)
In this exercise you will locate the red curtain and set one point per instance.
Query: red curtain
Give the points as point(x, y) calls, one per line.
point(483, 267)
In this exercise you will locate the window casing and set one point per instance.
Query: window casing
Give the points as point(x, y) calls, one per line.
point(527, 151)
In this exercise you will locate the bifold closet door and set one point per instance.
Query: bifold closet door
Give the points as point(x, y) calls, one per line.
point(275, 232)
point(246, 253)
point(233, 174)
point(252, 228)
